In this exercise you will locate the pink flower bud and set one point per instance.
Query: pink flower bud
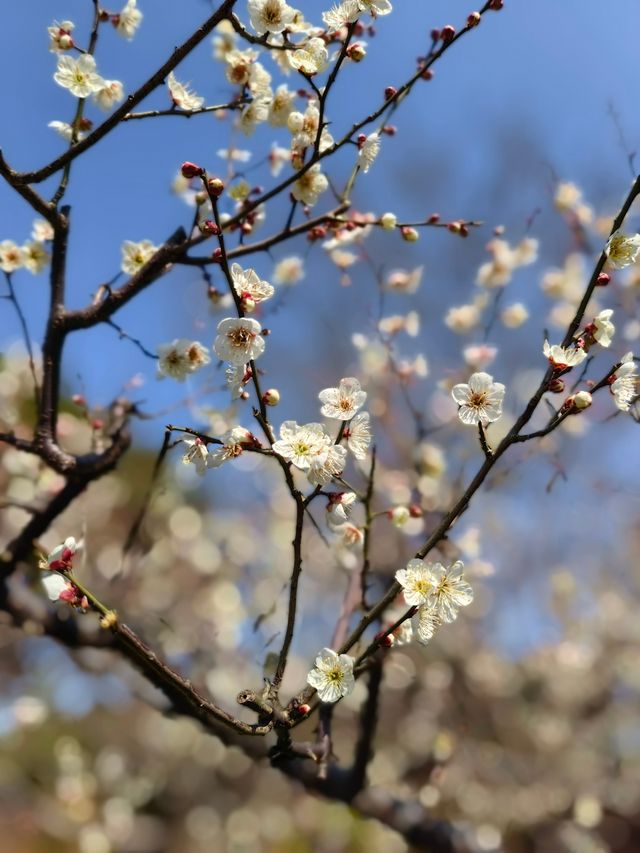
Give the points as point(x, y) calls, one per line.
point(356, 52)
point(447, 33)
point(209, 227)
point(454, 227)
point(79, 400)
point(217, 255)
point(435, 35)
point(427, 74)
point(389, 130)
point(415, 511)
point(603, 279)
point(433, 219)
point(474, 19)
point(496, 5)
point(389, 92)
point(556, 386)
point(191, 170)
point(303, 709)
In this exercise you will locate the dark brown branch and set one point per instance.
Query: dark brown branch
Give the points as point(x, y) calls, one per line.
point(233, 105)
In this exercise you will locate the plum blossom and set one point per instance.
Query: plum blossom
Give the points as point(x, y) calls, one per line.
point(358, 435)
point(624, 383)
point(128, 20)
point(311, 58)
point(109, 94)
point(180, 358)
point(343, 402)
point(234, 441)
point(35, 256)
point(603, 328)
point(182, 96)
point(248, 285)
point(449, 590)
point(480, 400)
point(61, 558)
point(289, 270)
point(270, 16)
point(428, 623)
point(622, 250)
point(79, 75)
point(239, 340)
point(60, 35)
point(327, 465)
point(342, 14)
point(11, 256)
point(368, 152)
point(563, 357)
point(197, 454)
point(136, 255)
point(65, 130)
point(339, 507)
point(332, 675)
point(310, 185)
point(416, 582)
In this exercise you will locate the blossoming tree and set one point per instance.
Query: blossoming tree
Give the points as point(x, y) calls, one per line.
point(331, 475)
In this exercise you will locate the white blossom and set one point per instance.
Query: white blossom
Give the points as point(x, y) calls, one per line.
point(368, 152)
point(416, 582)
point(358, 435)
point(563, 357)
point(603, 327)
point(428, 623)
point(65, 130)
point(180, 358)
point(404, 281)
point(35, 256)
point(61, 557)
point(281, 106)
point(514, 315)
point(622, 250)
point(480, 400)
point(310, 185)
point(247, 284)
point(236, 378)
point(239, 340)
point(449, 590)
point(624, 386)
point(128, 20)
point(197, 454)
point(301, 445)
point(342, 14)
point(339, 507)
point(327, 465)
point(54, 584)
point(270, 16)
point(332, 675)
point(289, 270)
point(109, 94)
point(42, 230)
point(60, 35)
point(11, 256)
point(136, 255)
point(181, 95)
point(311, 58)
point(79, 75)
point(343, 402)
point(233, 442)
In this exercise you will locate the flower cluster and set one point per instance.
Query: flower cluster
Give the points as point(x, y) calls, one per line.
point(436, 591)
point(180, 358)
point(33, 255)
point(57, 583)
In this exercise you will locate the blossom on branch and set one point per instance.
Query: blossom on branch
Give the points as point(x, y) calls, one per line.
point(11, 256)
point(416, 582)
point(310, 185)
point(182, 96)
point(61, 558)
point(79, 75)
point(234, 441)
point(109, 94)
point(332, 675)
point(563, 357)
point(358, 435)
point(624, 383)
point(197, 454)
point(311, 58)
point(369, 150)
point(249, 286)
point(136, 255)
point(603, 328)
point(180, 358)
point(128, 20)
point(239, 340)
point(622, 250)
point(270, 16)
point(480, 400)
point(343, 402)
point(60, 35)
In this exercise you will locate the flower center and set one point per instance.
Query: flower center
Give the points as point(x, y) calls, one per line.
point(478, 399)
point(240, 338)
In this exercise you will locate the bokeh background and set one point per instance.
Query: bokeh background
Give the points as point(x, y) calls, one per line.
point(520, 720)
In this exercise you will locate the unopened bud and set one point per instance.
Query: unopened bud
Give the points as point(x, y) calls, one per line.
point(79, 400)
point(496, 5)
point(271, 397)
point(388, 221)
point(389, 130)
point(244, 395)
point(454, 227)
point(97, 424)
point(384, 640)
point(216, 255)
point(447, 33)
point(427, 74)
point(464, 231)
point(474, 19)
point(191, 170)
point(303, 709)
point(265, 333)
point(246, 227)
point(248, 304)
point(415, 511)
point(389, 92)
point(556, 386)
point(215, 187)
point(209, 227)
point(433, 219)
point(603, 279)
point(581, 400)
point(409, 234)
point(200, 198)
point(319, 232)
point(356, 52)
point(435, 35)
point(85, 123)
point(399, 515)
